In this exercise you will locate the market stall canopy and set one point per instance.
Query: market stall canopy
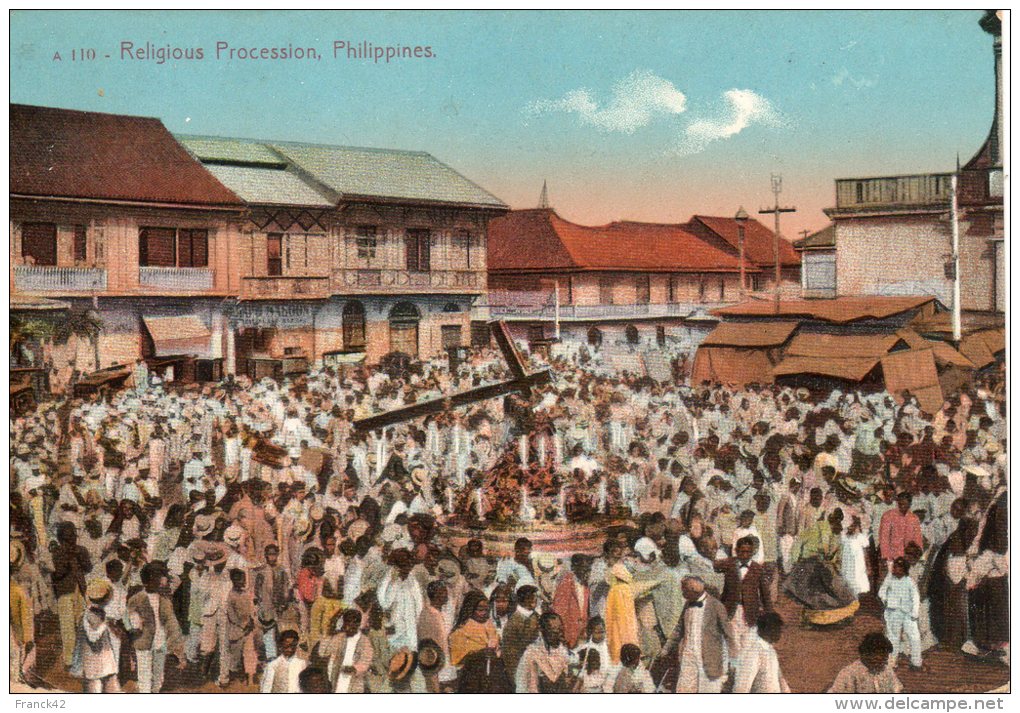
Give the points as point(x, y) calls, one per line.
point(732, 366)
point(849, 368)
point(914, 371)
point(750, 334)
point(186, 334)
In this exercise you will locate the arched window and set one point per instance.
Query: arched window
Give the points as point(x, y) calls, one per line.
point(404, 319)
point(354, 325)
point(632, 334)
point(594, 337)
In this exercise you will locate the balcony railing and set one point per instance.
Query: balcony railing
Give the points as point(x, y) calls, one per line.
point(384, 280)
point(183, 279)
point(930, 189)
point(547, 312)
point(285, 287)
point(47, 278)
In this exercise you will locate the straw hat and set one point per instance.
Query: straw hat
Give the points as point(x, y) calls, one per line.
point(98, 591)
point(401, 665)
point(233, 535)
point(17, 553)
point(430, 656)
point(215, 556)
point(204, 524)
point(418, 476)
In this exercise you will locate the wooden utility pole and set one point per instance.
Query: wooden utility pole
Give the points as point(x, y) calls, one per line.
point(777, 188)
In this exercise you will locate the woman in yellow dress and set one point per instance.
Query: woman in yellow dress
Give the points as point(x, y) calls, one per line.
point(621, 614)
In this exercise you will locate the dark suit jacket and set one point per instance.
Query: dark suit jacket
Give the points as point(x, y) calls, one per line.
point(715, 629)
point(752, 591)
point(139, 604)
point(518, 634)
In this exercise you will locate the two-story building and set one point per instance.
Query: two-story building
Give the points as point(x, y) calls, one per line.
point(110, 215)
point(892, 235)
point(626, 283)
point(352, 250)
point(761, 249)
point(220, 256)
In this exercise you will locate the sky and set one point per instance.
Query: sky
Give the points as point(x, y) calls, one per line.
point(651, 116)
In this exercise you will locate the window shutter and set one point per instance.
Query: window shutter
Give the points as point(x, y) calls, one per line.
point(39, 241)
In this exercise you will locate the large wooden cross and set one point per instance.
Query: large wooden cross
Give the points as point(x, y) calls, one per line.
point(522, 382)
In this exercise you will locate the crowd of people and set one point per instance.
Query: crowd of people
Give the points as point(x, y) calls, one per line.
point(249, 532)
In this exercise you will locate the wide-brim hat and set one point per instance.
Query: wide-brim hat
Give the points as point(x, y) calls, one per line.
point(233, 535)
point(448, 567)
point(204, 524)
point(98, 591)
point(215, 556)
point(401, 665)
point(430, 656)
point(977, 470)
point(418, 476)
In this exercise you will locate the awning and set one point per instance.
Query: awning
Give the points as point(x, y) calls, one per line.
point(914, 371)
point(945, 355)
point(837, 346)
point(849, 368)
point(28, 303)
point(737, 367)
point(750, 334)
point(173, 336)
point(975, 348)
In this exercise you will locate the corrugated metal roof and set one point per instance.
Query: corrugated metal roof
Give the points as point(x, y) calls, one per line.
point(216, 149)
point(258, 184)
point(539, 239)
point(82, 154)
point(744, 334)
point(385, 173)
point(735, 367)
point(849, 368)
point(839, 310)
point(844, 345)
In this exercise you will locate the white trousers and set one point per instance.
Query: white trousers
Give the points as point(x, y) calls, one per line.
point(151, 665)
point(896, 627)
point(786, 551)
point(102, 685)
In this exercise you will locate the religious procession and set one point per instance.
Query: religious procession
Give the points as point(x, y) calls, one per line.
point(594, 535)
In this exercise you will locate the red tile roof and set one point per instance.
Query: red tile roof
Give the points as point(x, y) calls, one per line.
point(758, 240)
point(839, 310)
point(539, 240)
point(79, 154)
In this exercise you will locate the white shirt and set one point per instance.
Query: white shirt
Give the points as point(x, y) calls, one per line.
point(757, 669)
point(343, 680)
point(289, 668)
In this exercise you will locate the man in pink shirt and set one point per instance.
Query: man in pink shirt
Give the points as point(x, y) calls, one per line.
point(898, 528)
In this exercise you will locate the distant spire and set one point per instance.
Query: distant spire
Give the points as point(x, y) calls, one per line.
point(957, 161)
point(543, 199)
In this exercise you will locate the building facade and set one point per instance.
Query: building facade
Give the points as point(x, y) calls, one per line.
point(893, 235)
point(636, 285)
point(226, 256)
point(110, 215)
point(349, 250)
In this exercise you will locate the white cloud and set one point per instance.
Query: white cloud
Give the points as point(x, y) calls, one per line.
point(636, 100)
point(843, 76)
point(742, 108)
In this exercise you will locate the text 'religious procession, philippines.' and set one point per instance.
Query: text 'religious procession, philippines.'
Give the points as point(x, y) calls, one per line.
point(290, 416)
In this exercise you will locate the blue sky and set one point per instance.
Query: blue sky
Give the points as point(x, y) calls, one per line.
point(627, 115)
